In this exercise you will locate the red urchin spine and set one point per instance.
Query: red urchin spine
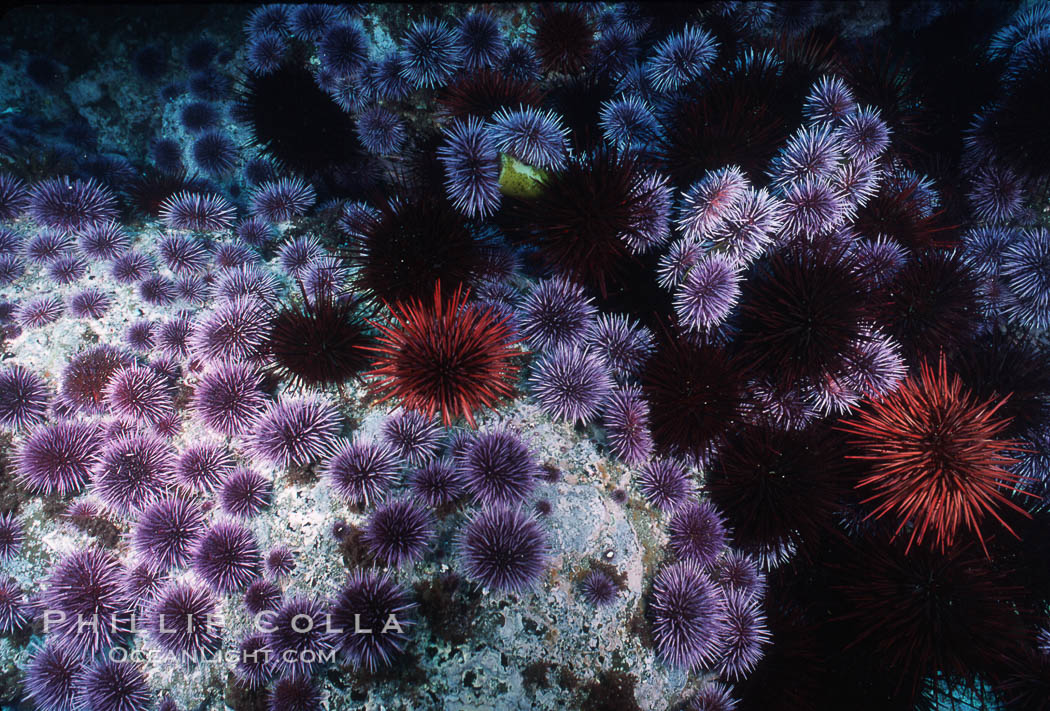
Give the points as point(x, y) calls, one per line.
point(451, 357)
point(936, 460)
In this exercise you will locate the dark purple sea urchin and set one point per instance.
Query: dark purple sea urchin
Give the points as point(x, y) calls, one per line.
point(503, 548)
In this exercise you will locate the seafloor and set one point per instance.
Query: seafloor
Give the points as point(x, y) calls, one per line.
point(742, 402)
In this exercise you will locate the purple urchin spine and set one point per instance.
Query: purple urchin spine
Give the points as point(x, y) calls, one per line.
point(813, 152)
point(139, 335)
point(812, 206)
point(1026, 270)
point(196, 212)
point(748, 225)
point(141, 584)
point(215, 154)
point(57, 458)
point(428, 54)
point(531, 135)
point(497, 468)
point(472, 167)
point(415, 436)
point(708, 293)
point(571, 383)
point(295, 256)
point(245, 493)
point(697, 532)
point(227, 557)
point(255, 231)
point(229, 397)
point(398, 533)
point(167, 532)
point(182, 620)
point(687, 613)
point(739, 571)
point(503, 548)
point(47, 246)
point(71, 205)
point(23, 398)
point(157, 290)
point(266, 53)
point(714, 696)
point(556, 312)
point(681, 58)
point(362, 472)
point(295, 431)
point(132, 471)
point(626, 421)
point(367, 601)
point(282, 200)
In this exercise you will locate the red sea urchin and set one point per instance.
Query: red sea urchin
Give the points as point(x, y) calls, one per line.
point(937, 464)
point(453, 357)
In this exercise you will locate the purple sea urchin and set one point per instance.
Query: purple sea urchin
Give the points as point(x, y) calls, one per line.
point(52, 677)
point(114, 686)
point(428, 53)
point(86, 585)
point(197, 212)
point(343, 48)
point(281, 200)
point(687, 613)
point(215, 153)
point(89, 303)
point(183, 620)
point(245, 493)
point(707, 294)
point(132, 471)
point(253, 670)
point(183, 253)
point(295, 431)
point(479, 42)
point(140, 393)
point(167, 532)
point(622, 343)
point(71, 205)
point(233, 330)
point(47, 246)
point(40, 311)
point(472, 167)
point(381, 131)
point(681, 58)
point(203, 466)
point(362, 472)
point(744, 634)
point(626, 421)
point(227, 557)
point(14, 197)
point(863, 135)
point(503, 548)
point(571, 383)
point(556, 312)
point(299, 636)
point(829, 101)
point(229, 397)
point(437, 483)
point(398, 532)
point(598, 589)
point(697, 532)
point(373, 601)
point(130, 267)
point(57, 458)
point(665, 483)
point(11, 536)
point(497, 468)
point(706, 203)
point(280, 562)
point(261, 595)
point(86, 376)
point(414, 436)
point(532, 136)
point(23, 398)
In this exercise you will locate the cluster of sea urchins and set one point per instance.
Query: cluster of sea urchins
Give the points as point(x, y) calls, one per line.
point(689, 230)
